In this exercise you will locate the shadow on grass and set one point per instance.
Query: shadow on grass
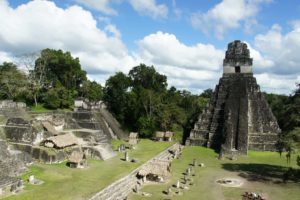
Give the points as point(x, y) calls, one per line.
point(258, 172)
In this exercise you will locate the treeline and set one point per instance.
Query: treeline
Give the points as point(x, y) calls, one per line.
point(52, 78)
point(140, 100)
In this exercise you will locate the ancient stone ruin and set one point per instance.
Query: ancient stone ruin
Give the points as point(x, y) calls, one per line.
point(238, 117)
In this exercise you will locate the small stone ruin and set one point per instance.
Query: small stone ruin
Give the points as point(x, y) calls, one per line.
point(164, 136)
point(10, 104)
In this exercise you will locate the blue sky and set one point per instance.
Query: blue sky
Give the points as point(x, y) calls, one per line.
point(185, 40)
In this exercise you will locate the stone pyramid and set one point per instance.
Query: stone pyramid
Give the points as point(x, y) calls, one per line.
point(238, 117)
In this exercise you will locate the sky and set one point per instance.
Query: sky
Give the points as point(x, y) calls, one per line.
point(184, 40)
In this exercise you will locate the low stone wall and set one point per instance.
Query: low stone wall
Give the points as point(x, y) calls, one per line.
point(41, 154)
point(9, 104)
point(120, 189)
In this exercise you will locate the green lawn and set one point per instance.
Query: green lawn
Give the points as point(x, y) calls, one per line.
point(62, 182)
point(39, 108)
point(258, 170)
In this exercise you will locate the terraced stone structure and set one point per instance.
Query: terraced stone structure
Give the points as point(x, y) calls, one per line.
point(238, 117)
point(10, 166)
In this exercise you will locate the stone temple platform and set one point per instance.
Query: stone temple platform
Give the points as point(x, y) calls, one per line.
point(238, 117)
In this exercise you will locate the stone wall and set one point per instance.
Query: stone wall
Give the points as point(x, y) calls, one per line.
point(42, 154)
point(20, 130)
point(9, 104)
point(120, 189)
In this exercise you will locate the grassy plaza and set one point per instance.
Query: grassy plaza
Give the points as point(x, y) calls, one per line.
point(261, 172)
point(62, 182)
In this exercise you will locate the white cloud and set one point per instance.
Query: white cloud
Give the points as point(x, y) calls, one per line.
point(41, 24)
point(271, 41)
point(261, 63)
point(185, 66)
point(295, 24)
point(165, 48)
point(281, 48)
point(110, 28)
point(228, 14)
point(150, 8)
point(5, 57)
point(100, 5)
point(278, 84)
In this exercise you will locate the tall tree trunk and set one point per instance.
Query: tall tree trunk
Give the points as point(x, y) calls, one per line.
point(35, 100)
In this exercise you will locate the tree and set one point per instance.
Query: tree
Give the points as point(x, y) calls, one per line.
point(279, 104)
point(146, 127)
point(115, 94)
point(207, 93)
point(147, 78)
point(60, 69)
point(35, 74)
point(57, 73)
point(142, 102)
point(91, 90)
point(149, 87)
point(290, 142)
point(58, 97)
point(12, 81)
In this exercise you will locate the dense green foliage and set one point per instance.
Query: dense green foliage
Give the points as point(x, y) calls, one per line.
point(53, 79)
point(142, 102)
point(91, 90)
point(60, 68)
point(12, 81)
point(62, 78)
point(287, 111)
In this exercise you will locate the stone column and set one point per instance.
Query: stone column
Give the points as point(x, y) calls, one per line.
point(178, 184)
point(31, 179)
point(126, 156)
point(169, 191)
point(188, 171)
point(194, 162)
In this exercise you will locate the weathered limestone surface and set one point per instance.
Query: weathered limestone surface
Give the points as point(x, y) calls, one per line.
point(20, 130)
point(238, 117)
point(9, 104)
point(26, 134)
point(10, 166)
